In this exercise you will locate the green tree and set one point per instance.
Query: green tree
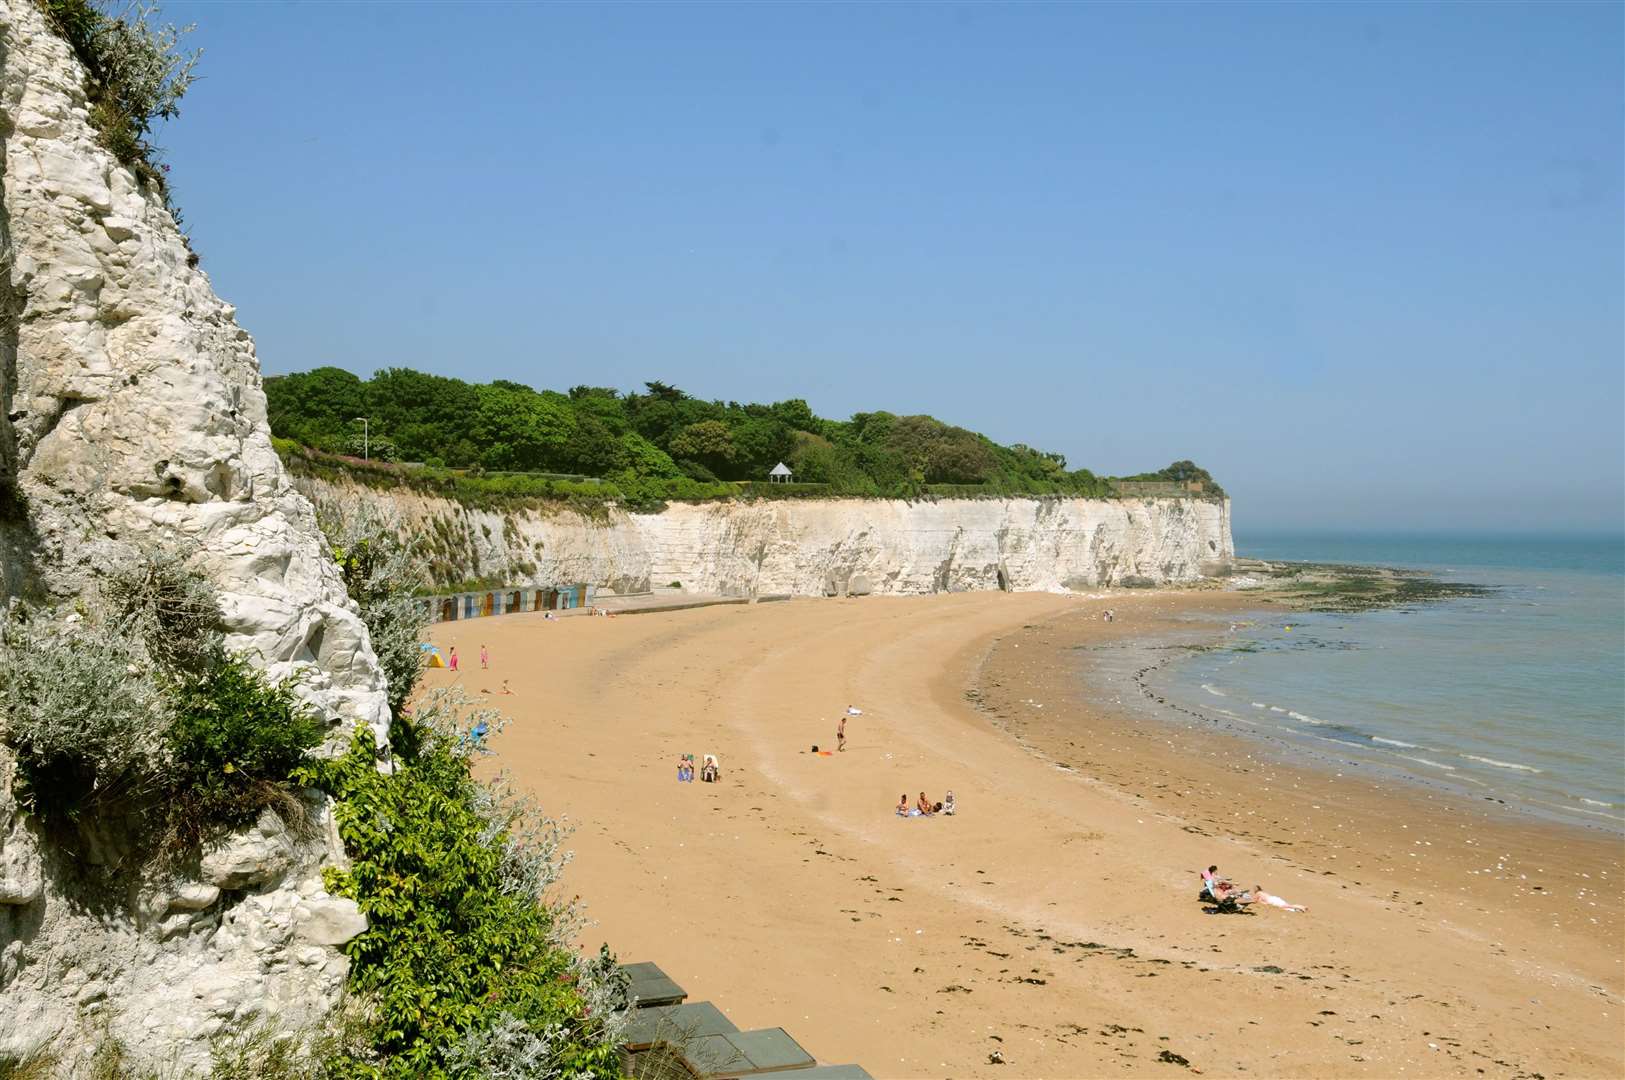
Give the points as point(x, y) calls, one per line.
point(708, 442)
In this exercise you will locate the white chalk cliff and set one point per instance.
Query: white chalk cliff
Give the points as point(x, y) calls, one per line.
point(132, 414)
point(817, 547)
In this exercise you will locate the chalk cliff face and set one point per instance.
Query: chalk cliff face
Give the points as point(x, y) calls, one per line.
point(820, 547)
point(132, 415)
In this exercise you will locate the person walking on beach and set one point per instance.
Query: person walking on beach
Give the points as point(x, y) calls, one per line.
point(485, 658)
point(840, 734)
point(453, 664)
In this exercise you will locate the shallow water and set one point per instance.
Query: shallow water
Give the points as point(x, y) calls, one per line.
point(1518, 695)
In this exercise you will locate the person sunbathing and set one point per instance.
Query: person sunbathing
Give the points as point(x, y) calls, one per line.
point(902, 805)
point(924, 806)
point(948, 804)
point(1275, 901)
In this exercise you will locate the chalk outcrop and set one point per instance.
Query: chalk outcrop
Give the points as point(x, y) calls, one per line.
point(133, 415)
point(819, 547)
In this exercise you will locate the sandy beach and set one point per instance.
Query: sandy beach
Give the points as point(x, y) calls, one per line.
point(1053, 921)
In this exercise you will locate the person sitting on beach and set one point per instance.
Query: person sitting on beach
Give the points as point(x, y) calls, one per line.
point(685, 769)
point(709, 771)
point(902, 805)
point(1275, 901)
point(948, 804)
point(1217, 887)
point(924, 806)
point(505, 689)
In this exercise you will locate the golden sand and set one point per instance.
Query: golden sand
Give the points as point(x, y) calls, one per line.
point(1054, 918)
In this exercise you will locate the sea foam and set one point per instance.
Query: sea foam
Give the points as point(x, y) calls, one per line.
point(1503, 764)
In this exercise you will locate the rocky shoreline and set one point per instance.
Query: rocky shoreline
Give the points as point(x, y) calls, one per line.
point(1342, 588)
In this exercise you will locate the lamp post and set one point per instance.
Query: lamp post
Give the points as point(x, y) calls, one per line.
point(366, 437)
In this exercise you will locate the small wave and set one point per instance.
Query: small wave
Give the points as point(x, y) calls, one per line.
point(1578, 809)
point(1215, 691)
point(1276, 708)
point(1301, 718)
point(1503, 764)
point(1259, 705)
point(1393, 742)
point(1596, 802)
point(1425, 761)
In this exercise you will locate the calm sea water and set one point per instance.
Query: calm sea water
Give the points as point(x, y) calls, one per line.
point(1519, 695)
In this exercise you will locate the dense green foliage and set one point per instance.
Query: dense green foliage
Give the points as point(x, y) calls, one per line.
point(128, 701)
point(457, 941)
point(651, 446)
point(465, 969)
point(134, 76)
point(235, 738)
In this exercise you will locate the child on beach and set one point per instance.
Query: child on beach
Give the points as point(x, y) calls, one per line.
point(485, 658)
point(924, 806)
point(948, 804)
point(840, 734)
point(902, 805)
point(453, 663)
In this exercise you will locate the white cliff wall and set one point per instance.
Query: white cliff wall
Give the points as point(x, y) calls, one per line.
point(818, 547)
point(132, 415)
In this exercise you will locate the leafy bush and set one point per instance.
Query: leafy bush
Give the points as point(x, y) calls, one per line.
point(234, 740)
point(82, 708)
point(134, 75)
point(131, 701)
point(463, 959)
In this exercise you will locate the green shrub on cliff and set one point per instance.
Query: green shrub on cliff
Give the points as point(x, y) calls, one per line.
point(129, 702)
point(465, 964)
point(135, 75)
point(235, 738)
point(83, 709)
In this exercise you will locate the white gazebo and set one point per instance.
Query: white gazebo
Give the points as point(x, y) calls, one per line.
point(780, 474)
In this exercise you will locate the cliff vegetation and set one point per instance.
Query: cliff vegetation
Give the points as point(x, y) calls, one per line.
point(503, 439)
point(135, 75)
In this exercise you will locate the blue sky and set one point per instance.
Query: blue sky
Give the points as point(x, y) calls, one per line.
point(1365, 262)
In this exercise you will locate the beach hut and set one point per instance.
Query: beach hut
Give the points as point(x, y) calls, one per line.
point(780, 474)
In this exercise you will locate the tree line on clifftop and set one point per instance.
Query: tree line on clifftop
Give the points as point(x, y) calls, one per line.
point(660, 436)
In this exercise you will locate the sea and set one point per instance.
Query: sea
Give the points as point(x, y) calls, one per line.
point(1516, 696)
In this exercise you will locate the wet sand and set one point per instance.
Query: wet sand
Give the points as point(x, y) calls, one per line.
point(1053, 920)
